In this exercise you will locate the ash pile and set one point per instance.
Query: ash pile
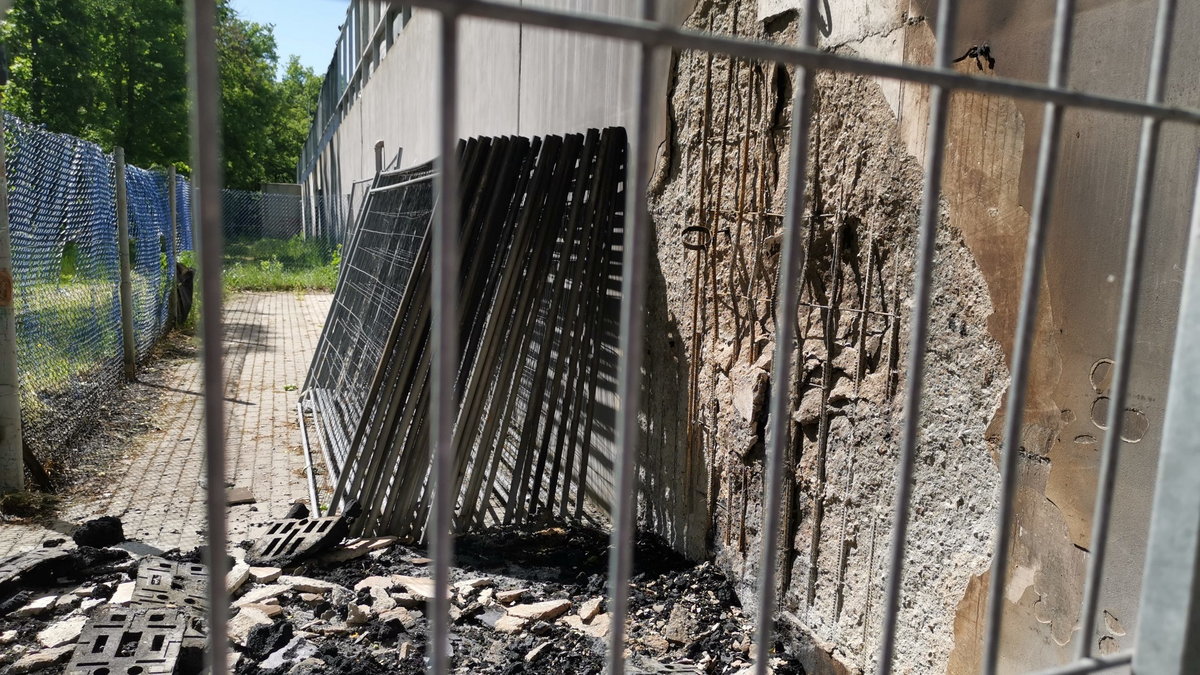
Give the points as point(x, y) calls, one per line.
point(523, 600)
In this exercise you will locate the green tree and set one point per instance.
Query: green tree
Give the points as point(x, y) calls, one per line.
point(142, 58)
point(247, 62)
point(115, 72)
point(52, 64)
point(299, 90)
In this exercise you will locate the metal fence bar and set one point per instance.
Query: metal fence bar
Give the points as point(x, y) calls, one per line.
point(657, 35)
point(1031, 282)
point(786, 309)
point(173, 227)
point(1172, 576)
point(444, 335)
point(634, 264)
point(203, 77)
point(398, 186)
point(918, 334)
point(1126, 326)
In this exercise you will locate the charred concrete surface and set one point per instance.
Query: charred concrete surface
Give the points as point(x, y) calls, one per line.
point(723, 176)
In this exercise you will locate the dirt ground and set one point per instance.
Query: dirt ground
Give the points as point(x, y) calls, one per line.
point(146, 468)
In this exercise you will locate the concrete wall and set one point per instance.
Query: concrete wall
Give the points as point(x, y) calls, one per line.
point(513, 80)
point(1084, 265)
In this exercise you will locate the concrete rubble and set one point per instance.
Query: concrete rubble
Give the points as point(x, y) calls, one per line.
point(518, 596)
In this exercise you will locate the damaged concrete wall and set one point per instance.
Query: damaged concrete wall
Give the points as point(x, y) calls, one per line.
point(727, 174)
point(723, 176)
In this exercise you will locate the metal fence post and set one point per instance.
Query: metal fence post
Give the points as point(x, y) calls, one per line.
point(123, 255)
point(172, 300)
point(1169, 643)
point(206, 223)
point(12, 465)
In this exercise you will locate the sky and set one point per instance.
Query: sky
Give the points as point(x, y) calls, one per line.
point(306, 28)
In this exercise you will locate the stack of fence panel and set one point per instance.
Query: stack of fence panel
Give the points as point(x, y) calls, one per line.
point(541, 226)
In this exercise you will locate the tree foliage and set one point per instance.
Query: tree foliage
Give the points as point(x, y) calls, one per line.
point(115, 72)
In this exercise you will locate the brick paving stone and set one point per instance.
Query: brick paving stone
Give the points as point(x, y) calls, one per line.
point(158, 490)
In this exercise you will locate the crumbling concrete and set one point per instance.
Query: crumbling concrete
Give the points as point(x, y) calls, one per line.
point(726, 171)
point(709, 346)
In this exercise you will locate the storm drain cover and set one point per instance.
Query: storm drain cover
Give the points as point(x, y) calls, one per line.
point(284, 542)
point(163, 583)
point(117, 640)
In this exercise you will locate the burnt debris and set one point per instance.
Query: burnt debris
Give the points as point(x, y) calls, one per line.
point(99, 532)
point(523, 600)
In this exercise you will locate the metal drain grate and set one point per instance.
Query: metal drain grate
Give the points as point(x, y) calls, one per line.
point(145, 641)
point(165, 583)
point(286, 541)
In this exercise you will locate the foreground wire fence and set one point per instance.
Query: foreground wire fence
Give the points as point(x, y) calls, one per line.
point(1171, 573)
point(66, 274)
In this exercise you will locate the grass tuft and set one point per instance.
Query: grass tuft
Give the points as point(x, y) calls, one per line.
point(295, 264)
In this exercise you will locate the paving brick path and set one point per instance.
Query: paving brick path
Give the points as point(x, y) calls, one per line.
point(158, 489)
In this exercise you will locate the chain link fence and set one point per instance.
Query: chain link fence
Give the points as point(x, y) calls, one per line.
point(331, 217)
point(266, 247)
point(66, 272)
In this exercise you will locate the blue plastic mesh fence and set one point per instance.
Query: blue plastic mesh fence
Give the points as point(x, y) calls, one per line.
point(62, 215)
point(150, 253)
point(183, 207)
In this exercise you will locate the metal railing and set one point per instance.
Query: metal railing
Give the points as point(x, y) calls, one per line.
point(1171, 645)
point(367, 35)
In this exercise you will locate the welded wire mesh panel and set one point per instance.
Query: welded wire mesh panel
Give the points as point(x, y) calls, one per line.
point(542, 218)
point(354, 205)
point(377, 265)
